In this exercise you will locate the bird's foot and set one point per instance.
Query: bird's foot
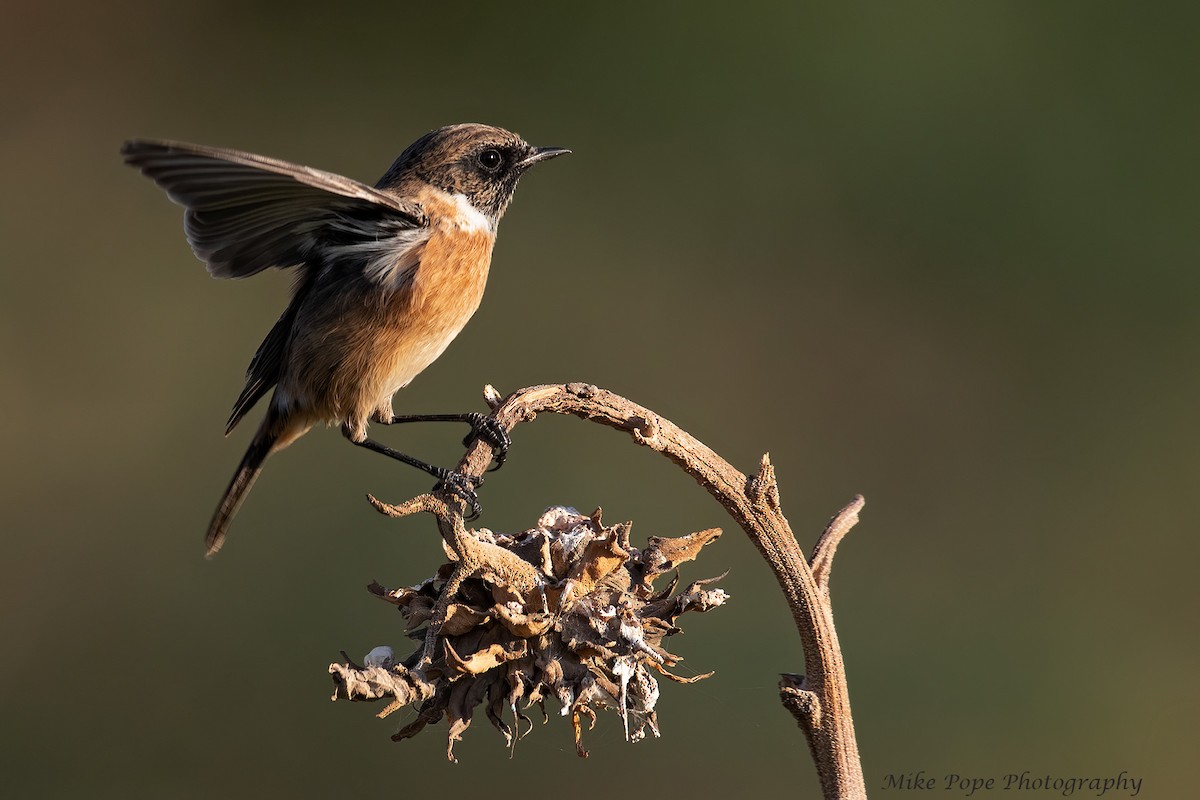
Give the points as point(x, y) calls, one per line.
point(493, 433)
point(464, 487)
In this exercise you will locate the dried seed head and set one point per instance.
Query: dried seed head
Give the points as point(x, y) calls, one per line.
point(589, 634)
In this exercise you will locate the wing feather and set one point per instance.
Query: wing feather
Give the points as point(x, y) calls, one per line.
point(247, 212)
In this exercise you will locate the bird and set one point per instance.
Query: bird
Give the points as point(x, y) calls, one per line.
point(385, 278)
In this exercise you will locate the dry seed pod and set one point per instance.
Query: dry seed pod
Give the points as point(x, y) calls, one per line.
point(590, 634)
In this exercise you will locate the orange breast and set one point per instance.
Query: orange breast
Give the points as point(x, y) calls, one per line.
point(362, 343)
point(422, 321)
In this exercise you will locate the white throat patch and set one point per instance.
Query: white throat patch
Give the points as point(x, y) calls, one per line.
point(469, 217)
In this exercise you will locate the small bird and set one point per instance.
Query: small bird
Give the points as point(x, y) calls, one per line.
point(386, 277)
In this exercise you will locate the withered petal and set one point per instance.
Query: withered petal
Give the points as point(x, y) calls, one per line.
point(679, 678)
point(525, 626)
point(664, 554)
point(575, 712)
point(600, 557)
point(482, 660)
point(462, 618)
point(534, 547)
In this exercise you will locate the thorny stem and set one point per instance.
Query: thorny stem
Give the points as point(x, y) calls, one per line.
point(819, 700)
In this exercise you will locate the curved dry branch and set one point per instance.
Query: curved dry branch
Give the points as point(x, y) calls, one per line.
point(819, 700)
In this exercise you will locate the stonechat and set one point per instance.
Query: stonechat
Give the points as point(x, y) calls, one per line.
point(386, 277)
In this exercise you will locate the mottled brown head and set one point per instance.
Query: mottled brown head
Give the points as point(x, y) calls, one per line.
point(478, 161)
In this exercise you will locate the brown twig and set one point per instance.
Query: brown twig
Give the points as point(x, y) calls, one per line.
point(819, 700)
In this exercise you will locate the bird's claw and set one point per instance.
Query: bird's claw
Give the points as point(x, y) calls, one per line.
point(493, 433)
point(463, 487)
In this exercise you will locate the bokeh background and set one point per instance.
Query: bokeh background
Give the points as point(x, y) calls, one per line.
point(941, 254)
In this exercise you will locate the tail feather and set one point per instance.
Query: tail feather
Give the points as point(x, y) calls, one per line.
point(239, 487)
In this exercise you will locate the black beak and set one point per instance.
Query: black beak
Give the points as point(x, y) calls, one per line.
point(543, 154)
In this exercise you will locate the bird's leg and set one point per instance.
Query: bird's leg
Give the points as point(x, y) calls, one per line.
point(455, 482)
point(482, 427)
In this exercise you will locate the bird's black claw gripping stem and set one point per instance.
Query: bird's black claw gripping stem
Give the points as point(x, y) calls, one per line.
point(491, 432)
point(464, 487)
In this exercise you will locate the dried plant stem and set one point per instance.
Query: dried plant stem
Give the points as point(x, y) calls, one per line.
point(819, 700)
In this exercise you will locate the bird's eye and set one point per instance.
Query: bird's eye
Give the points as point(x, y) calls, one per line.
point(491, 160)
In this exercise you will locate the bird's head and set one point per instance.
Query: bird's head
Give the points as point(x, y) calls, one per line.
point(480, 162)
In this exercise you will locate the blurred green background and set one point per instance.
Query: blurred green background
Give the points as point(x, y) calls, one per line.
point(941, 254)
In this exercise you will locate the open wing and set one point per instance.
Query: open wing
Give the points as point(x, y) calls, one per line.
point(246, 212)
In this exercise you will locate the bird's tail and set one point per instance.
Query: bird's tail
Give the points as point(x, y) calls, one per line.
point(247, 472)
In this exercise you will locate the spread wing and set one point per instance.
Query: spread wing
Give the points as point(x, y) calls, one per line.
point(246, 212)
